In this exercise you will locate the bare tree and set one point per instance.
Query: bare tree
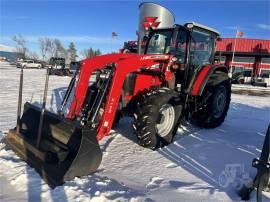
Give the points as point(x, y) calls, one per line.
point(88, 53)
point(43, 47)
point(20, 45)
point(51, 47)
point(47, 48)
point(33, 55)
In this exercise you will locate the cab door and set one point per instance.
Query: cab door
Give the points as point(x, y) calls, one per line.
point(201, 53)
point(180, 51)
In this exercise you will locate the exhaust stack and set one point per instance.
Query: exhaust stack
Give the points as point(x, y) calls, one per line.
point(155, 16)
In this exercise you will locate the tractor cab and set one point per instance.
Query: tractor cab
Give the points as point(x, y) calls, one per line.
point(192, 42)
point(193, 46)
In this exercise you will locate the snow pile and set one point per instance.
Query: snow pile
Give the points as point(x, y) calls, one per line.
point(200, 164)
point(250, 87)
point(250, 90)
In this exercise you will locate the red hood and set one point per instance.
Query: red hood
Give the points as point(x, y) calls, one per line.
point(114, 57)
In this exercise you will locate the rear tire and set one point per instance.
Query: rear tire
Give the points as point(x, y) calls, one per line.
point(215, 110)
point(156, 118)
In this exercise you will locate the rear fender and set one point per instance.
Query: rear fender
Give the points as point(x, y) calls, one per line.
point(209, 75)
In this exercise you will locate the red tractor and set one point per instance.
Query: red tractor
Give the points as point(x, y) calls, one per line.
point(174, 79)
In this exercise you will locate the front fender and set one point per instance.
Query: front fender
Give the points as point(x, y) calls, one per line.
point(210, 75)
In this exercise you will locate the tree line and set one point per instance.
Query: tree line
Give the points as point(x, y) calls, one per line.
point(51, 48)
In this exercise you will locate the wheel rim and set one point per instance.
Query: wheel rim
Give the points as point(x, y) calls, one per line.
point(220, 102)
point(166, 122)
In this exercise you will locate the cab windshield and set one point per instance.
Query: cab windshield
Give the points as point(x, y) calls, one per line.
point(160, 42)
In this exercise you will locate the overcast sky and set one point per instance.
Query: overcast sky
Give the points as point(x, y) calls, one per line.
point(90, 23)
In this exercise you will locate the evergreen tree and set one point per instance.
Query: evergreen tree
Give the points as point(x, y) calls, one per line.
point(98, 52)
point(72, 52)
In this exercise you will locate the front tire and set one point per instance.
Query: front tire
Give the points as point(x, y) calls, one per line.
point(156, 118)
point(214, 111)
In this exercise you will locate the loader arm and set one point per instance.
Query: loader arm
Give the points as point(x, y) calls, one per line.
point(125, 64)
point(88, 67)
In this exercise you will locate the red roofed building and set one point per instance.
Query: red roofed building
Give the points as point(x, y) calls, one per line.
point(251, 54)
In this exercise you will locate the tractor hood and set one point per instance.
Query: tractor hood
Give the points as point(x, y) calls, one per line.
point(116, 57)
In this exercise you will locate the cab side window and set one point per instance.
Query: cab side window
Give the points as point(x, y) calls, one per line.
point(202, 45)
point(181, 46)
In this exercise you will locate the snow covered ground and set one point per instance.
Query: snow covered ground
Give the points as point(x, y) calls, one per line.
point(200, 165)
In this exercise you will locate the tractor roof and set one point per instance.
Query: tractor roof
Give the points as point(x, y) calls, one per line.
point(194, 24)
point(191, 25)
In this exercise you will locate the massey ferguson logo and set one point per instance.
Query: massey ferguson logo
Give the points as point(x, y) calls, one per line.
point(155, 57)
point(150, 22)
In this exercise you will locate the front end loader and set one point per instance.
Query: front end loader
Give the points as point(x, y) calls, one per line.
point(174, 79)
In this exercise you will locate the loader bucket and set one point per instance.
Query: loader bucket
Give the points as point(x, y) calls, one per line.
point(66, 149)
